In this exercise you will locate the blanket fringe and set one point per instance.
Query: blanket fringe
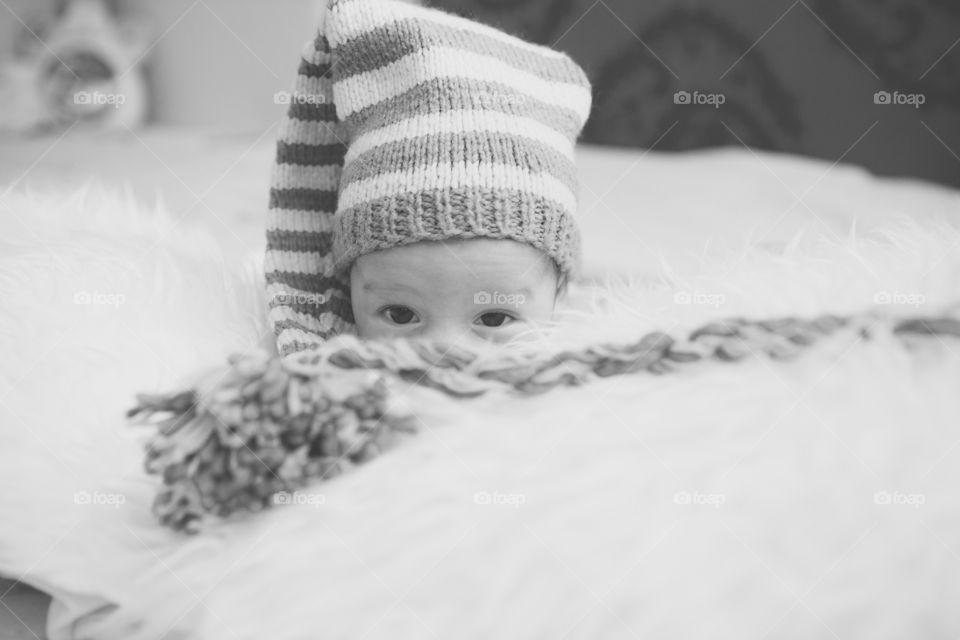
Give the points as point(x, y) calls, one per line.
point(268, 426)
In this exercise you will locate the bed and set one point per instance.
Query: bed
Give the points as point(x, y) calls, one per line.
point(807, 499)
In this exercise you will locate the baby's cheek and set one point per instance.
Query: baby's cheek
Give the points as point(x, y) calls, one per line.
point(362, 317)
point(363, 325)
point(533, 328)
point(369, 327)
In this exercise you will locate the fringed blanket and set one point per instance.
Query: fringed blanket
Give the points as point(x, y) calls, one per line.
point(787, 487)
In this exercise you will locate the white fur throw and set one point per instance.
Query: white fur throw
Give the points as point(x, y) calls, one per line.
point(813, 499)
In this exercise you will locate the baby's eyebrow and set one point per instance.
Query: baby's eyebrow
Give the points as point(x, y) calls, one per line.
point(395, 286)
point(390, 288)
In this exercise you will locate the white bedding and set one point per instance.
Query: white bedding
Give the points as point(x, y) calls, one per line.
point(602, 546)
point(636, 207)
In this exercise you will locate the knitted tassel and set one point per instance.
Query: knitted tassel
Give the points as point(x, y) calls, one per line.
point(271, 425)
point(263, 428)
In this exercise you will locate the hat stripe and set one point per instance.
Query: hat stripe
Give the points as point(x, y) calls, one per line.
point(312, 98)
point(298, 176)
point(284, 295)
point(310, 155)
point(561, 122)
point(456, 176)
point(298, 220)
point(310, 69)
point(352, 20)
point(303, 199)
point(303, 106)
point(353, 94)
point(290, 240)
point(308, 334)
point(317, 51)
point(291, 338)
point(292, 264)
point(492, 146)
point(305, 328)
point(385, 45)
point(303, 305)
point(323, 133)
point(460, 121)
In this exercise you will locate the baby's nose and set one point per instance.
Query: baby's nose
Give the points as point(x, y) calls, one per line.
point(452, 336)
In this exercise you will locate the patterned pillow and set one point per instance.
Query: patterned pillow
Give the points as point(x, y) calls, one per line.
point(873, 82)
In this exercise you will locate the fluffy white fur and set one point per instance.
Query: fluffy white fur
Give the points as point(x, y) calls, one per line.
point(588, 534)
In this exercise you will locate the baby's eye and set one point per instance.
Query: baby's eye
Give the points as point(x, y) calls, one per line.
point(495, 319)
point(400, 315)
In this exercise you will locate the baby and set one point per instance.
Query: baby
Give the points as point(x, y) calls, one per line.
point(456, 292)
point(425, 183)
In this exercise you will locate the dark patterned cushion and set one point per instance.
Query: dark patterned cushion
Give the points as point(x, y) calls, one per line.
point(874, 82)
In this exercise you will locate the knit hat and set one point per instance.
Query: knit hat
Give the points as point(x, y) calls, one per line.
point(409, 124)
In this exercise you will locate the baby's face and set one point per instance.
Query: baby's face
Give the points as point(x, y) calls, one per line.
point(458, 292)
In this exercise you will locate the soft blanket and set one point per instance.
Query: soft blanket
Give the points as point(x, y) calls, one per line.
point(816, 498)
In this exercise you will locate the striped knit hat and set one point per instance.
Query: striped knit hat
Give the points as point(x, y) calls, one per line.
point(410, 124)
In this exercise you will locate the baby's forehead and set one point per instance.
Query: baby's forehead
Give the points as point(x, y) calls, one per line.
point(435, 268)
point(468, 255)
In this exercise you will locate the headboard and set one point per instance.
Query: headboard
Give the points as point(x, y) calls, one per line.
point(872, 82)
